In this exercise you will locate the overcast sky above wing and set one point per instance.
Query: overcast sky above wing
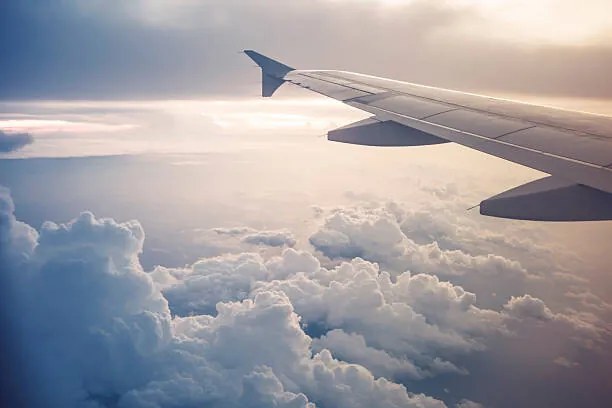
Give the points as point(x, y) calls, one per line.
point(149, 49)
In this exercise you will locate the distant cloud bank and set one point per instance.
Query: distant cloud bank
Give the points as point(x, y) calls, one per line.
point(10, 142)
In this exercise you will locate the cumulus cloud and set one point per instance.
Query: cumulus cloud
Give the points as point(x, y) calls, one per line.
point(101, 315)
point(274, 238)
point(402, 240)
point(353, 347)
point(97, 330)
point(528, 307)
point(356, 297)
point(376, 235)
point(270, 238)
point(585, 327)
point(17, 238)
point(393, 327)
point(17, 243)
point(466, 403)
point(250, 329)
point(494, 263)
point(197, 289)
point(413, 319)
point(234, 231)
point(9, 142)
point(565, 362)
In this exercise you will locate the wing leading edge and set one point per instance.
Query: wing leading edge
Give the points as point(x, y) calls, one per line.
point(575, 148)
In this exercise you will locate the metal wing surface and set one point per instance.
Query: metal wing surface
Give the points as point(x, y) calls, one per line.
point(575, 148)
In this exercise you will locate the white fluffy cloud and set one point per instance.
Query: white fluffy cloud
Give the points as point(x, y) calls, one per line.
point(252, 329)
point(257, 351)
point(274, 238)
point(91, 318)
point(585, 327)
point(438, 242)
point(270, 238)
point(376, 235)
point(98, 331)
point(411, 316)
point(17, 239)
point(197, 289)
point(529, 307)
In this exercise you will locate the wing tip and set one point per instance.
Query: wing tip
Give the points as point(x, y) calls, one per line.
point(272, 72)
point(268, 65)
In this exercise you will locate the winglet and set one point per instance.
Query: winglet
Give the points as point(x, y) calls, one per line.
point(272, 72)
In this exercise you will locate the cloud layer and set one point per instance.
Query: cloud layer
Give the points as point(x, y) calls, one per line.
point(97, 319)
point(141, 50)
point(9, 142)
point(258, 329)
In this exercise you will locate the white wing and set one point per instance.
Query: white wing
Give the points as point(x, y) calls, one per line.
point(574, 148)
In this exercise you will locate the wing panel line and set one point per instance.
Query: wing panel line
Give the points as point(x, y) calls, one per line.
point(473, 109)
point(605, 186)
point(586, 173)
point(514, 131)
point(335, 83)
point(439, 113)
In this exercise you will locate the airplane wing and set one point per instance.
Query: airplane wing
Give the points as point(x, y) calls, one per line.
point(574, 148)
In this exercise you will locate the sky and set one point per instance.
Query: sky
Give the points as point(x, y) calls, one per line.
point(170, 239)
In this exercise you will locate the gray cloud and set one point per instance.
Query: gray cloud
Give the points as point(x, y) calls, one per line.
point(137, 50)
point(529, 307)
point(270, 238)
point(252, 236)
point(9, 142)
point(465, 403)
point(564, 362)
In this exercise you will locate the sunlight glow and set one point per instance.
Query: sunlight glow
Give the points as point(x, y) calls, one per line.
point(78, 128)
point(531, 22)
point(54, 125)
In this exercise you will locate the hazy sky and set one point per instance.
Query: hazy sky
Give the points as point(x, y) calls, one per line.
point(151, 49)
point(265, 266)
